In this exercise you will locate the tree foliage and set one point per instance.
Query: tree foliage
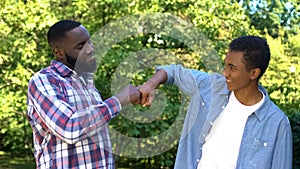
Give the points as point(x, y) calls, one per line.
point(273, 15)
point(24, 50)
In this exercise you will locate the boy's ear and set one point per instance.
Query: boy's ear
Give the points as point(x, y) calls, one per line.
point(254, 73)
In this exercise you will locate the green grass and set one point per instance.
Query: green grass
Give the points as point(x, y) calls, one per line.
point(11, 162)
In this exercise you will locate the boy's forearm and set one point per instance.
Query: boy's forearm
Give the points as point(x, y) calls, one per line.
point(158, 78)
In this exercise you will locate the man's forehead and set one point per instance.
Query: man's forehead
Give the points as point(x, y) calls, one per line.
point(80, 30)
point(78, 34)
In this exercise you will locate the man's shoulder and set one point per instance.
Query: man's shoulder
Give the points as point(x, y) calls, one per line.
point(55, 69)
point(46, 75)
point(46, 71)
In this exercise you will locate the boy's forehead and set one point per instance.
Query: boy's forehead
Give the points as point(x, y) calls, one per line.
point(234, 57)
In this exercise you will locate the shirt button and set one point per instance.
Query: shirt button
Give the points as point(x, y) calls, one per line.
point(265, 144)
point(198, 159)
point(223, 107)
point(204, 135)
point(202, 103)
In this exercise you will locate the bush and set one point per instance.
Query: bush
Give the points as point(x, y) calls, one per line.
point(295, 123)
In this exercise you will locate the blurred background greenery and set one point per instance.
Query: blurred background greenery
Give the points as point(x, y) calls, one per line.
point(24, 50)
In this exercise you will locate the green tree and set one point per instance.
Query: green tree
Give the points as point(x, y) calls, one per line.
point(24, 50)
point(273, 15)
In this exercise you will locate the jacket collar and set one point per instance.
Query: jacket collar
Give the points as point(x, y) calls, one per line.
point(264, 108)
point(260, 113)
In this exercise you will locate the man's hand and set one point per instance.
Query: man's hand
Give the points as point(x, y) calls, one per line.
point(129, 94)
point(148, 89)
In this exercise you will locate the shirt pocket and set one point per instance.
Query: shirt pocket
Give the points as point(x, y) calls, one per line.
point(258, 154)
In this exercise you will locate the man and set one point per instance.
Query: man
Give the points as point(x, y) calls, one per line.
point(68, 117)
point(231, 121)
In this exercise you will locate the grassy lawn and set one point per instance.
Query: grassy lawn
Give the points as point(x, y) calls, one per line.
point(9, 162)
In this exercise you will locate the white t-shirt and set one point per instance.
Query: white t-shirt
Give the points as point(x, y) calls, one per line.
point(222, 144)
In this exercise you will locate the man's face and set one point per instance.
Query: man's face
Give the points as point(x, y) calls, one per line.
point(237, 76)
point(78, 48)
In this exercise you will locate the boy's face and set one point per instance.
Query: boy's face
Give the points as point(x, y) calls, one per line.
point(237, 76)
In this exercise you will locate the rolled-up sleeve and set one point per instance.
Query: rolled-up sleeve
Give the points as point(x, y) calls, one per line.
point(186, 79)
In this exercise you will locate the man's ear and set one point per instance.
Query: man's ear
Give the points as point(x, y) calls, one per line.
point(58, 53)
point(254, 73)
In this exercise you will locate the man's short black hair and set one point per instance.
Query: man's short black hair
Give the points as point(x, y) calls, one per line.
point(256, 52)
point(59, 29)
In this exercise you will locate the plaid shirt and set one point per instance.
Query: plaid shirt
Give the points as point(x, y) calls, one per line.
point(69, 119)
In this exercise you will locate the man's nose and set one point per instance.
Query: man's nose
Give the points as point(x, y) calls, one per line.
point(90, 48)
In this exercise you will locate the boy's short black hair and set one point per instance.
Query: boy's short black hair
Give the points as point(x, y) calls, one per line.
point(256, 52)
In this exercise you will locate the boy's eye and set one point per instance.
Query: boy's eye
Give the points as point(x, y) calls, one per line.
point(231, 67)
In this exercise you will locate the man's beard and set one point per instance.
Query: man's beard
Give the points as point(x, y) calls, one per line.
point(80, 65)
point(71, 60)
